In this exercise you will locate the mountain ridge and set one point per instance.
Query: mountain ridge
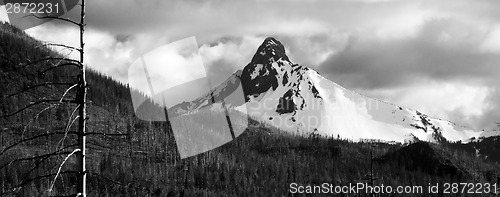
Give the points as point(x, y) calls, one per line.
point(297, 98)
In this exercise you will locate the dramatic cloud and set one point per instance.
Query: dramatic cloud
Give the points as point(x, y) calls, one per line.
point(449, 69)
point(456, 101)
point(105, 52)
point(441, 57)
point(442, 50)
point(225, 56)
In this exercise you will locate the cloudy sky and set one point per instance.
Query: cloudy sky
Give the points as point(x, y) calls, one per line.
point(439, 57)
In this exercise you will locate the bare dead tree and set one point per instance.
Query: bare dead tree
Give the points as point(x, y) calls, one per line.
point(80, 101)
point(39, 159)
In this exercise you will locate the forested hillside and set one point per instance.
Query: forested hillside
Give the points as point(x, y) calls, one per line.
point(139, 158)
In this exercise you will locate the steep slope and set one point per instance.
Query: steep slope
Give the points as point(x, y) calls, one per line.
point(298, 99)
point(110, 111)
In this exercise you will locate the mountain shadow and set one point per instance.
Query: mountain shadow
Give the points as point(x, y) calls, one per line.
point(425, 157)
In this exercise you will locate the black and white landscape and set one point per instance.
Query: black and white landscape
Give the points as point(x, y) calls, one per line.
point(393, 93)
point(297, 98)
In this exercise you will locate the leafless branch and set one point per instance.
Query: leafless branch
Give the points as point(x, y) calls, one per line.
point(59, 45)
point(60, 59)
point(38, 162)
point(34, 118)
point(36, 103)
point(56, 18)
point(15, 188)
point(38, 85)
point(65, 56)
point(48, 63)
point(68, 126)
point(57, 152)
point(51, 106)
point(66, 92)
point(33, 138)
point(60, 167)
point(58, 66)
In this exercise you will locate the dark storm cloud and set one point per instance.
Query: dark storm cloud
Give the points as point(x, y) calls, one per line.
point(223, 17)
point(442, 50)
point(371, 45)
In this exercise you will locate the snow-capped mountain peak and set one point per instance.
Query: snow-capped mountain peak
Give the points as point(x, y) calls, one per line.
point(267, 69)
point(298, 99)
point(270, 50)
